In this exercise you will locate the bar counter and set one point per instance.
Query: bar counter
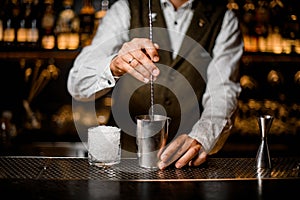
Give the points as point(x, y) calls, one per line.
point(37, 177)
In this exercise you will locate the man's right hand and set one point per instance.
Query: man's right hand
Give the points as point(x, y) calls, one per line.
point(137, 58)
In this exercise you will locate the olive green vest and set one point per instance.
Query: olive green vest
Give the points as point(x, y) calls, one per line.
point(182, 81)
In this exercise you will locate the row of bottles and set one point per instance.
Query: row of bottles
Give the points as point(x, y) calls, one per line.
point(273, 78)
point(19, 24)
point(38, 24)
point(269, 25)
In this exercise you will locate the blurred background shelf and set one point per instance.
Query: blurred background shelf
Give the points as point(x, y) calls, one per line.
point(17, 55)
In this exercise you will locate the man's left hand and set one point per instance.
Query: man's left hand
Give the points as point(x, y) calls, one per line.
point(185, 151)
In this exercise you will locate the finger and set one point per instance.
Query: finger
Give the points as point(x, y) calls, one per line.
point(148, 52)
point(162, 147)
point(141, 44)
point(145, 52)
point(136, 74)
point(151, 51)
point(146, 64)
point(127, 47)
point(128, 58)
point(133, 62)
point(168, 156)
point(172, 148)
point(120, 67)
point(142, 70)
point(191, 153)
point(201, 158)
point(116, 66)
point(176, 149)
point(149, 47)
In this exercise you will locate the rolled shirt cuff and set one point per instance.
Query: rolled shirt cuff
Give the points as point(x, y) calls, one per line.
point(211, 134)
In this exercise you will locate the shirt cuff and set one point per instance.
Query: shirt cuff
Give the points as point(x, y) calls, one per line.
point(111, 79)
point(211, 134)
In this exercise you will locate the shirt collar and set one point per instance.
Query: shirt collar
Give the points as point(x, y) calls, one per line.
point(187, 5)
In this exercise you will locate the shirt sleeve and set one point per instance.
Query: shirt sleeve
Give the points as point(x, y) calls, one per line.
point(90, 76)
point(223, 88)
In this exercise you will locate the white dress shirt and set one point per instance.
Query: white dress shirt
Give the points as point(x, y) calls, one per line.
point(91, 77)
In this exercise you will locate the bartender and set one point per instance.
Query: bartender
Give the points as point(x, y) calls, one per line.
point(188, 50)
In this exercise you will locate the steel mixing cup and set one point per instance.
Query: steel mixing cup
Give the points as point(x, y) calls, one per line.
point(151, 138)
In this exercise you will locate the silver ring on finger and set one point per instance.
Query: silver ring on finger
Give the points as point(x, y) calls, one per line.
point(130, 61)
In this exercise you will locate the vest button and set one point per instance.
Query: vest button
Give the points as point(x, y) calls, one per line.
point(168, 102)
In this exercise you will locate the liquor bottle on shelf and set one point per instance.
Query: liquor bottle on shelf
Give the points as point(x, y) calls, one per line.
point(275, 41)
point(86, 15)
point(247, 26)
point(12, 12)
point(2, 14)
point(262, 18)
point(101, 13)
point(67, 27)
point(277, 11)
point(23, 24)
point(48, 18)
point(232, 5)
point(28, 30)
point(33, 35)
point(291, 27)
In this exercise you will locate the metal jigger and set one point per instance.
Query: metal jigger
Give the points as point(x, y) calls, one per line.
point(263, 160)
